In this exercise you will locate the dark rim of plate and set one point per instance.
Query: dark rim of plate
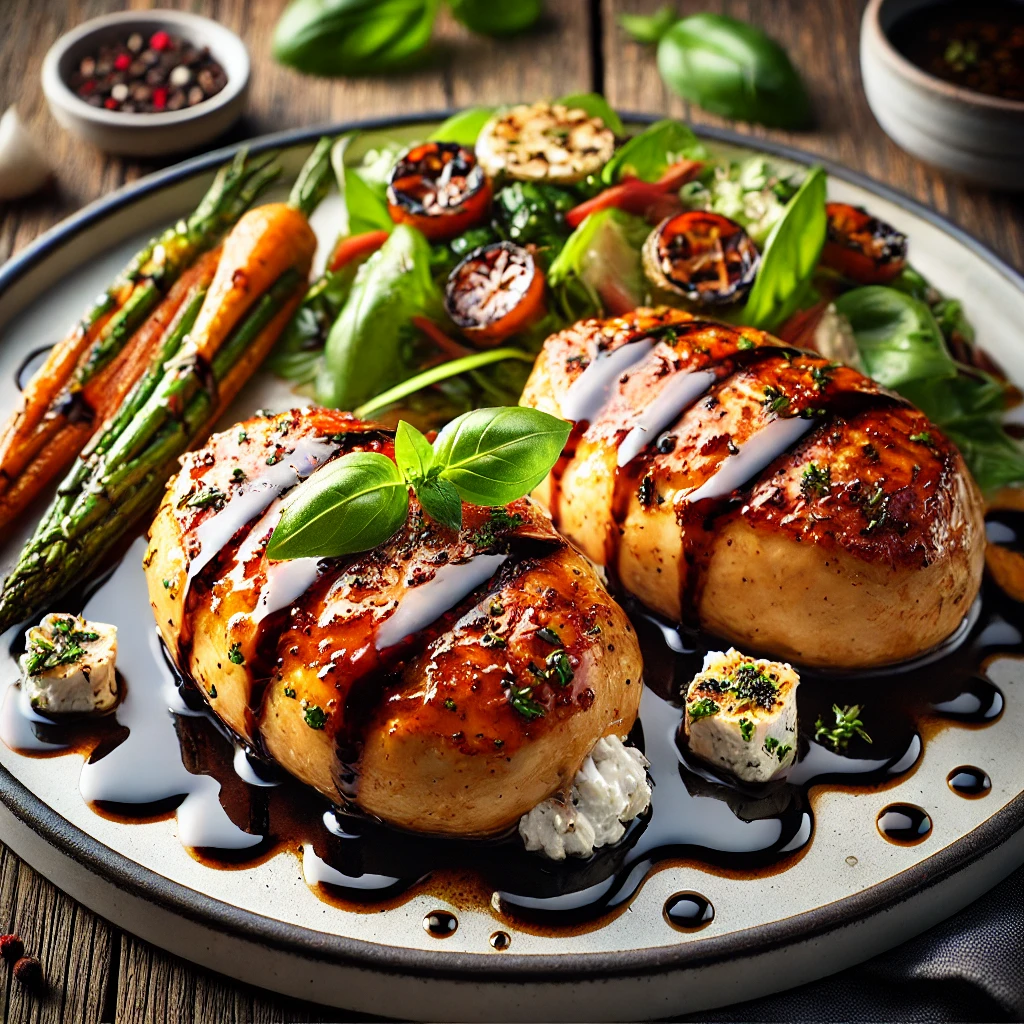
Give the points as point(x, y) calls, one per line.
point(178, 899)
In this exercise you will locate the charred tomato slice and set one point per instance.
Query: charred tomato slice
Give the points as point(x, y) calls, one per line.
point(862, 247)
point(704, 257)
point(495, 292)
point(440, 189)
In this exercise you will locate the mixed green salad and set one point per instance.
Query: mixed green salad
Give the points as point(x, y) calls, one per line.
point(460, 254)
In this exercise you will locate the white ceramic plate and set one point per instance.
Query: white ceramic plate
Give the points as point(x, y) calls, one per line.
point(851, 894)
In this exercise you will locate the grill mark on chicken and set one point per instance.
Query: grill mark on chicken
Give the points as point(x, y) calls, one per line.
point(769, 411)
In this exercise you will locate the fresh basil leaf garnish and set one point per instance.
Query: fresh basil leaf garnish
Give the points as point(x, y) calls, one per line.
point(463, 127)
point(440, 500)
point(494, 456)
point(352, 504)
point(648, 155)
point(413, 453)
point(595, 105)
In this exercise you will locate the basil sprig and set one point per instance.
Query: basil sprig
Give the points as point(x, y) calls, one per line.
point(486, 457)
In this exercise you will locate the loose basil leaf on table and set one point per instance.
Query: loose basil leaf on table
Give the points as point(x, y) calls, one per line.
point(464, 127)
point(491, 18)
point(352, 504)
point(790, 257)
point(596, 106)
point(487, 457)
point(494, 456)
point(353, 37)
point(369, 346)
point(648, 155)
point(731, 68)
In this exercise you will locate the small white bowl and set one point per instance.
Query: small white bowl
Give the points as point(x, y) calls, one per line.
point(146, 135)
point(975, 136)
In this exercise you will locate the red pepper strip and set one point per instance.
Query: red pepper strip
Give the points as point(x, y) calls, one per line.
point(356, 247)
point(448, 346)
point(634, 195)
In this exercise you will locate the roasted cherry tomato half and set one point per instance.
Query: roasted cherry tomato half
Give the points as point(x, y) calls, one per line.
point(706, 258)
point(495, 292)
point(440, 189)
point(861, 247)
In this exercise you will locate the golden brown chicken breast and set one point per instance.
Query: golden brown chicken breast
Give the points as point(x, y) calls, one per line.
point(444, 682)
point(786, 503)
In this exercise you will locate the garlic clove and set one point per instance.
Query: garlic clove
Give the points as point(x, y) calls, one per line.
point(23, 169)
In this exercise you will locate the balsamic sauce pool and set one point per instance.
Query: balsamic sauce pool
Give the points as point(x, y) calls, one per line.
point(161, 752)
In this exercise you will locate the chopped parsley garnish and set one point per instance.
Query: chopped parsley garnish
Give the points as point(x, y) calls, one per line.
point(521, 699)
point(746, 729)
point(703, 708)
point(242, 437)
point(924, 438)
point(492, 640)
point(213, 692)
point(774, 399)
point(450, 705)
point(63, 648)
point(848, 724)
point(499, 523)
point(783, 750)
point(559, 668)
point(289, 691)
point(496, 608)
point(771, 744)
point(549, 636)
point(749, 683)
point(594, 630)
point(745, 343)
point(315, 717)
point(211, 497)
point(822, 376)
point(235, 655)
point(167, 584)
point(238, 474)
point(816, 481)
point(272, 459)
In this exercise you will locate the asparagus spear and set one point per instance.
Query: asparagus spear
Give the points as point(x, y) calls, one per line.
point(200, 364)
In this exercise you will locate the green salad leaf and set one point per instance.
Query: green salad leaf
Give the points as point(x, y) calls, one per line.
point(497, 19)
point(599, 267)
point(648, 155)
point(370, 346)
point(731, 68)
point(902, 347)
point(464, 127)
point(790, 256)
point(897, 336)
point(533, 213)
point(596, 106)
point(353, 37)
point(365, 206)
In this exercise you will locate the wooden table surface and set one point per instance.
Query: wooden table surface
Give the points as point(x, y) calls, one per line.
point(96, 972)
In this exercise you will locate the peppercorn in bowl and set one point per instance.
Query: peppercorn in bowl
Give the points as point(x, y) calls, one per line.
point(147, 83)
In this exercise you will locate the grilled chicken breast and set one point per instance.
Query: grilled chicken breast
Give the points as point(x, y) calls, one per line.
point(783, 502)
point(444, 682)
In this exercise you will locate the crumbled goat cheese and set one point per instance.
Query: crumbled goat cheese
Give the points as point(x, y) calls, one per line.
point(609, 790)
point(741, 715)
point(68, 665)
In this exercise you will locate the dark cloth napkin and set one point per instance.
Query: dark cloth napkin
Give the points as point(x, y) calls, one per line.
point(969, 968)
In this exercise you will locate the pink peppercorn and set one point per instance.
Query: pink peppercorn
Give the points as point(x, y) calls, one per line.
point(159, 40)
point(110, 103)
point(122, 62)
point(160, 98)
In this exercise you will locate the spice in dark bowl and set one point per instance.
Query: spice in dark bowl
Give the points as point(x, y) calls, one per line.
point(978, 46)
point(148, 76)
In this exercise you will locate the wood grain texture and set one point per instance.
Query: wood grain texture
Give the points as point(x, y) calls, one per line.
point(95, 972)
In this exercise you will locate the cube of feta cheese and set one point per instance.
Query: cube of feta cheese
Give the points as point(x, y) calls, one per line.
point(609, 790)
point(741, 715)
point(69, 665)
